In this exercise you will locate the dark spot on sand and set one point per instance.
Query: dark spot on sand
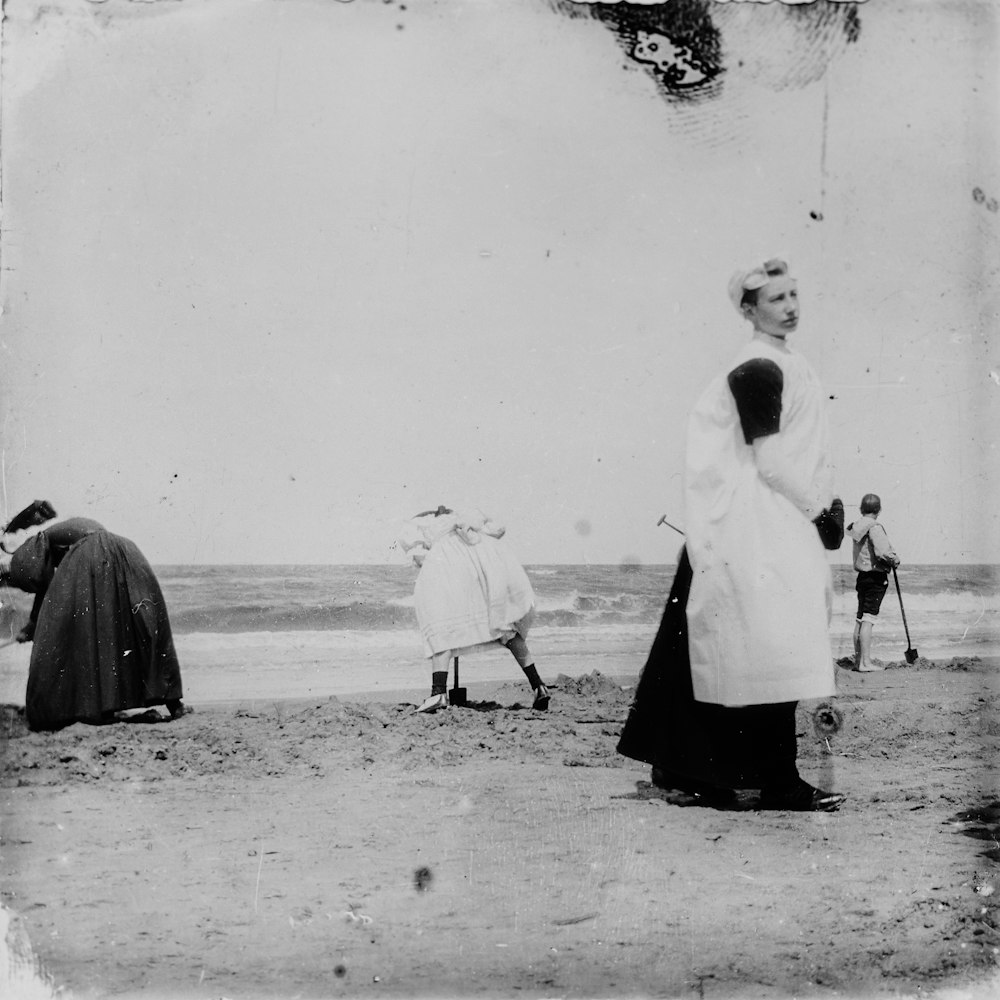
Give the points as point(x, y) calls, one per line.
point(340, 971)
point(982, 822)
point(827, 720)
point(422, 878)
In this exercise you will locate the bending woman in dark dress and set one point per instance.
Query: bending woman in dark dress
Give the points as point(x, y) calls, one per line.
point(102, 639)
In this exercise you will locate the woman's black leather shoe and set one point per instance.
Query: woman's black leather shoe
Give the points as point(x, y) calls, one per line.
point(706, 794)
point(800, 798)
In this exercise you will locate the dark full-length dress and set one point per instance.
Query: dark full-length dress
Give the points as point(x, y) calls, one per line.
point(698, 745)
point(102, 638)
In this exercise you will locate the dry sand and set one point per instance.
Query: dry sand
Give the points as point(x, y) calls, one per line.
point(352, 848)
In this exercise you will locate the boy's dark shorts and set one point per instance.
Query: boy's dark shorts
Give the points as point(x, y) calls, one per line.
point(871, 588)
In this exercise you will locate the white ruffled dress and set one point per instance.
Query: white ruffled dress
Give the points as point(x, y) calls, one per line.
point(471, 590)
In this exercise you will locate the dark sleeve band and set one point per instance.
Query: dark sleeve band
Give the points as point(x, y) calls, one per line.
point(756, 386)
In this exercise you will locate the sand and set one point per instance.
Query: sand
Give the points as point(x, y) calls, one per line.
point(349, 848)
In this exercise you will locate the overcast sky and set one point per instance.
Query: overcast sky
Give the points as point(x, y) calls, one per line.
point(278, 275)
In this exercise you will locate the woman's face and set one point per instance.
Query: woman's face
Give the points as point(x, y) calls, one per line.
point(776, 312)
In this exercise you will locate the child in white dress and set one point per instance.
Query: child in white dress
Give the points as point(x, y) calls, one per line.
point(470, 592)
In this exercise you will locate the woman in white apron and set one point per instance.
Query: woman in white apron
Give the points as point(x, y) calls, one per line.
point(745, 632)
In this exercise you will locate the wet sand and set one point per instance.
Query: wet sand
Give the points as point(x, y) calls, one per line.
point(341, 848)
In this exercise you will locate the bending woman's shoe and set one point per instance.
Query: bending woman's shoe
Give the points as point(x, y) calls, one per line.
point(433, 703)
point(800, 798)
point(542, 698)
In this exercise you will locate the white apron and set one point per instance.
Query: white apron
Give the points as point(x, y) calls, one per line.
point(761, 596)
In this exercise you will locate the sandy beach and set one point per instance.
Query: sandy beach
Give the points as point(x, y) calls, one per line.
point(348, 847)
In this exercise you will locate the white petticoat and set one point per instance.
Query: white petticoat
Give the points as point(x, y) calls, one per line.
point(471, 595)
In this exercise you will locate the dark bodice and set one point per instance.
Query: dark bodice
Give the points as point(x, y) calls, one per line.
point(34, 562)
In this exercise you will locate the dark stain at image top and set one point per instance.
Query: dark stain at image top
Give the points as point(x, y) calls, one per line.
point(682, 43)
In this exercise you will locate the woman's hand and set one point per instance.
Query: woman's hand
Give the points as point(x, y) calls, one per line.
point(830, 524)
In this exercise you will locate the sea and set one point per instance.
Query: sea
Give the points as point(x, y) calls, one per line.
point(267, 632)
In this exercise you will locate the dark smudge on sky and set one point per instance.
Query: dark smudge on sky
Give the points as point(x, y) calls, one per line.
point(683, 46)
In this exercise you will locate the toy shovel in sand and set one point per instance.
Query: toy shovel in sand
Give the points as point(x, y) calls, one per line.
point(911, 654)
point(457, 695)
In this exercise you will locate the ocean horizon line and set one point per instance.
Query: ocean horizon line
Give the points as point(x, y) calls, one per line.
point(628, 564)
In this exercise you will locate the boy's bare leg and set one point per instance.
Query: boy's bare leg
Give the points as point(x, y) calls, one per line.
point(865, 645)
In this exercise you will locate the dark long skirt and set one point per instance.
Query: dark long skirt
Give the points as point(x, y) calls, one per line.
point(697, 743)
point(102, 642)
